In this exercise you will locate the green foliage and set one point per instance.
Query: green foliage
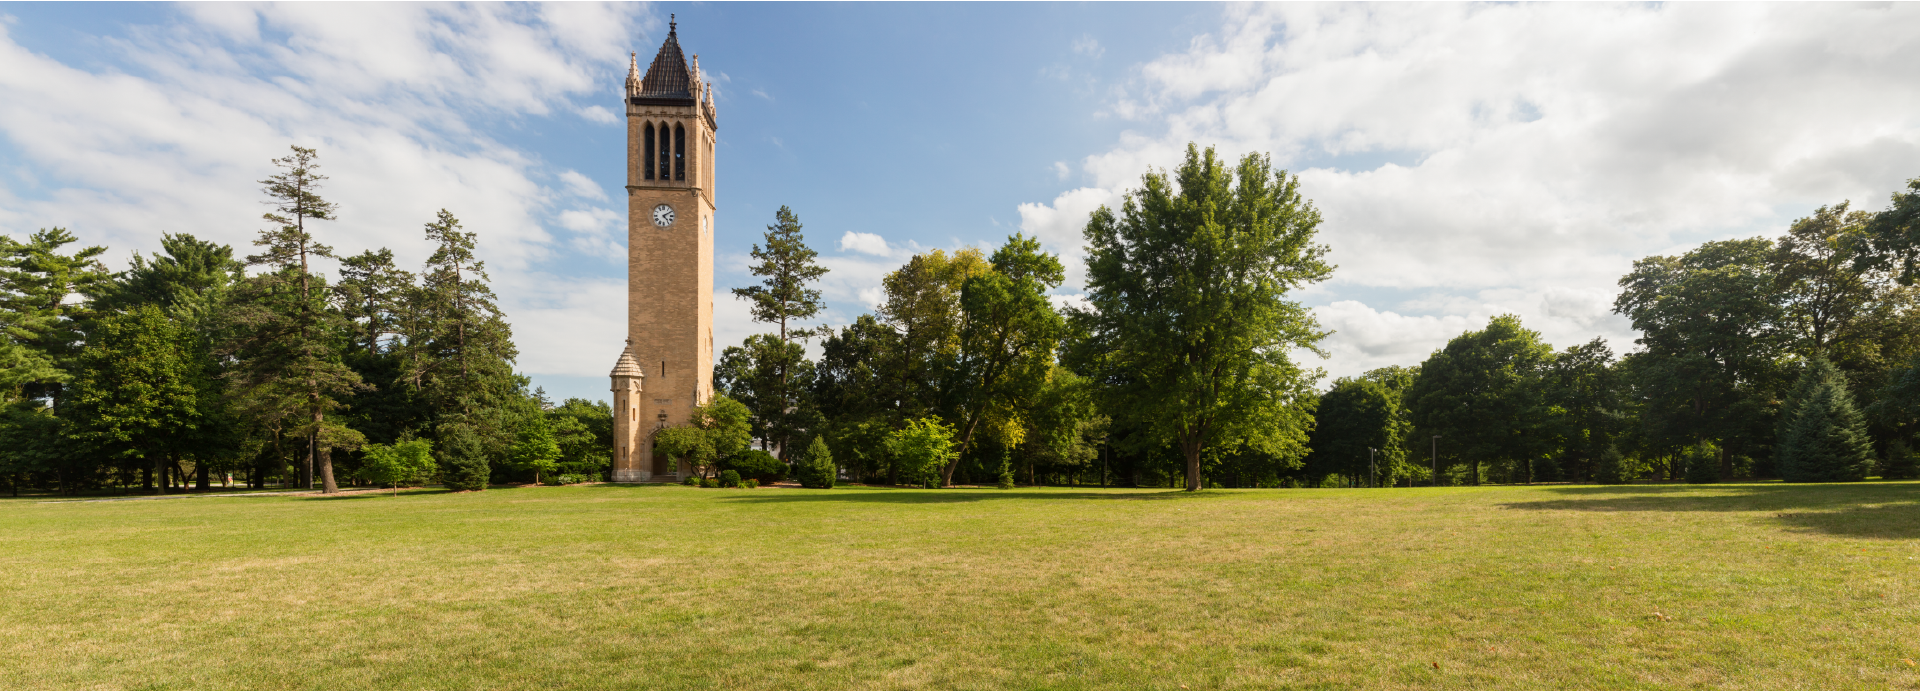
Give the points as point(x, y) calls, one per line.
point(407, 462)
point(709, 482)
point(773, 379)
point(816, 469)
point(40, 328)
point(1356, 431)
point(691, 445)
point(133, 393)
point(584, 431)
point(691, 481)
point(757, 464)
point(788, 266)
point(922, 449)
point(1614, 468)
point(1900, 463)
point(729, 479)
point(1189, 323)
point(1482, 394)
point(1825, 437)
point(1703, 463)
point(463, 459)
point(534, 448)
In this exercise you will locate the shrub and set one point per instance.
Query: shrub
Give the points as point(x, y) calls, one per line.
point(817, 470)
point(691, 481)
point(729, 478)
point(922, 450)
point(1703, 464)
point(1006, 479)
point(749, 483)
point(1614, 468)
point(709, 483)
point(756, 464)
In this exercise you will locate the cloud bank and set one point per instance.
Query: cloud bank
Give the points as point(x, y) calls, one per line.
point(1472, 160)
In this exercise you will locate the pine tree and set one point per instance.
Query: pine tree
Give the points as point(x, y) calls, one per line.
point(39, 326)
point(817, 470)
point(458, 353)
point(788, 266)
point(1825, 437)
point(286, 337)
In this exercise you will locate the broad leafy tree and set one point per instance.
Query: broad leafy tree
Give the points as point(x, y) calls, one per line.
point(1007, 337)
point(133, 392)
point(1190, 326)
point(1482, 395)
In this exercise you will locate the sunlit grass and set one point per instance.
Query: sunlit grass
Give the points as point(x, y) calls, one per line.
point(1732, 586)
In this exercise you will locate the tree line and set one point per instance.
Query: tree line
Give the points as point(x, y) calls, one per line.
point(1796, 357)
point(195, 364)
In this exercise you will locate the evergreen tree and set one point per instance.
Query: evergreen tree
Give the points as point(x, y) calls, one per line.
point(458, 352)
point(372, 294)
point(1825, 437)
point(1703, 464)
point(787, 266)
point(817, 470)
point(286, 339)
point(40, 330)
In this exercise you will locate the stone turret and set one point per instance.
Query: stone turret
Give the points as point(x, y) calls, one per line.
point(629, 432)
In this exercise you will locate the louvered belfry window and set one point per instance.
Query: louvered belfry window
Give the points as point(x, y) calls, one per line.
point(647, 159)
point(679, 152)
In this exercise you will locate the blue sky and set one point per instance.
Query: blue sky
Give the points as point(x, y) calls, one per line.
point(1471, 160)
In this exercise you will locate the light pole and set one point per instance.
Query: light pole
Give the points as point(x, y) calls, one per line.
point(1436, 460)
point(1373, 471)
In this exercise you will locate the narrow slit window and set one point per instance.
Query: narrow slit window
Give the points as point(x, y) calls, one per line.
point(679, 152)
point(647, 137)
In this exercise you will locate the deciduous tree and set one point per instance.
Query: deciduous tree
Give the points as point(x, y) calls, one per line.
point(1189, 323)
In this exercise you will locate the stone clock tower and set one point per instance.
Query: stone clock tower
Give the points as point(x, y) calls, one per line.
point(667, 368)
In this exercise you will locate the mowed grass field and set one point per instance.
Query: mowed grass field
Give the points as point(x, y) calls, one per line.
point(1762, 586)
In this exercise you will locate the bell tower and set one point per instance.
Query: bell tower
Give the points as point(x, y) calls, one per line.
point(670, 206)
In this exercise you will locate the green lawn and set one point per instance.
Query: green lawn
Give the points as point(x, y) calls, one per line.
point(1732, 586)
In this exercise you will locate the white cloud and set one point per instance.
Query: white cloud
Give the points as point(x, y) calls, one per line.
point(1519, 157)
point(597, 114)
point(1060, 168)
point(864, 243)
point(581, 185)
point(1088, 46)
point(393, 97)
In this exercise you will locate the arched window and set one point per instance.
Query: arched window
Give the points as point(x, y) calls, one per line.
point(647, 137)
point(666, 154)
point(679, 152)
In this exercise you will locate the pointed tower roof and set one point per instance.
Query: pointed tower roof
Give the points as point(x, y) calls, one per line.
point(626, 366)
point(668, 76)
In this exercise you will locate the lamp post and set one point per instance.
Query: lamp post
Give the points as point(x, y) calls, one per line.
point(1436, 460)
point(1373, 471)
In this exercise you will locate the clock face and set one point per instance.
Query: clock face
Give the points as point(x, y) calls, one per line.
point(663, 215)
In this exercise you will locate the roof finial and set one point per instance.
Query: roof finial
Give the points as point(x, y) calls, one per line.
point(672, 25)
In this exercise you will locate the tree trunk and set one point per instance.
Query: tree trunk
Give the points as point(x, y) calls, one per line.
point(1726, 465)
point(313, 453)
point(160, 473)
point(326, 471)
point(200, 480)
point(1191, 450)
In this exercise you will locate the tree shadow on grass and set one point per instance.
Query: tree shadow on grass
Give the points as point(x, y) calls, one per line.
point(1882, 510)
point(891, 495)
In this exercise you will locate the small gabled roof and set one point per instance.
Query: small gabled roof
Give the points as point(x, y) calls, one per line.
point(668, 76)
